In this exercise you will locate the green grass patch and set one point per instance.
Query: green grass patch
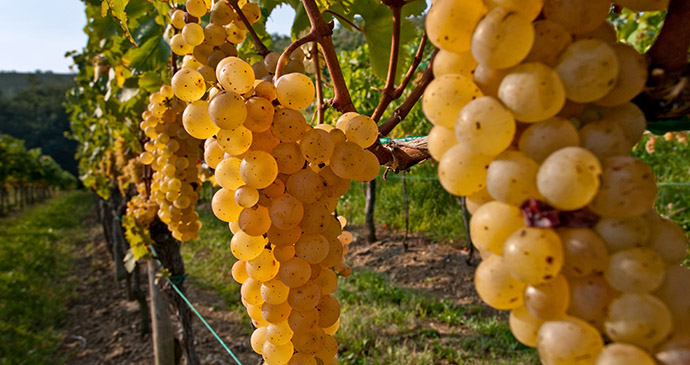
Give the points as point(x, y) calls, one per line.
point(433, 211)
point(670, 165)
point(35, 260)
point(385, 324)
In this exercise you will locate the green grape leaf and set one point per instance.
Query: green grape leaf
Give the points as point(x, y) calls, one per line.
point(300, 23)
point(378, 32)
point(150, 81)
point(105, 27)
point(138, 8)
point(343, 10)
point(150, 56)
point(414, 8)
point(117, 9)
point(270, 5)
point(148, 28)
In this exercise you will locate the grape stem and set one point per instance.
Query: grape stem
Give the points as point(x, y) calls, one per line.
point(387, 95)
point(400, 156)
point(285, 56)
point(259, 46)
point(401, 112)
point(390, 92)
point(321, 32)
point(320, 108)
point(345, 20)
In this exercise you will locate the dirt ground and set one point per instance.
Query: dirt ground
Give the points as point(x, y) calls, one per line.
point(438, 269)
point(103, 327)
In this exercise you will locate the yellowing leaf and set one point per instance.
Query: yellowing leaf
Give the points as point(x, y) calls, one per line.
point(137, 236)
point(121, 74)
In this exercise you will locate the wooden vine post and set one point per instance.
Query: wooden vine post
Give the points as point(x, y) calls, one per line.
point(163, 335)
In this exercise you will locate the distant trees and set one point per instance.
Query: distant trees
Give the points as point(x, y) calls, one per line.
point(27, 176)
point(37, 116)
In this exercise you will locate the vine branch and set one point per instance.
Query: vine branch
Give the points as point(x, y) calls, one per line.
point(413, 67)
point(401, 112)
point(341, 101)
point(283, 59)
point(259, 46)
point(321, 33)
point(319, 87)
point(387, 96)
point(343, 19)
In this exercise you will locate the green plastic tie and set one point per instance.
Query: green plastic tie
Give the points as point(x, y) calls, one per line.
point(404, 139)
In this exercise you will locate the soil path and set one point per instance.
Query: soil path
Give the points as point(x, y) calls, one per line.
point(103, 327)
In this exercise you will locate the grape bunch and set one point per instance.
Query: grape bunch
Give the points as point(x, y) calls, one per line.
point(139, 206)
point(280, 181)
point(533, 124)
point(202, 48)
point(173, 155)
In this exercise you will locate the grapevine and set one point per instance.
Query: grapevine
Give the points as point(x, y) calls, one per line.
point(535, 106)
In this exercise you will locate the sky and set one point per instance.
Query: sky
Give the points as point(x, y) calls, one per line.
point(37, 34)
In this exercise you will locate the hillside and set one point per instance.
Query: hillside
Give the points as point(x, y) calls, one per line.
point(31, 109)
point(12, 83)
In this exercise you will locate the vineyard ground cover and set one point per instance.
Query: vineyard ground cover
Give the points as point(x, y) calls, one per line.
point(431, 209)
point(415, 307)
point(35, 258)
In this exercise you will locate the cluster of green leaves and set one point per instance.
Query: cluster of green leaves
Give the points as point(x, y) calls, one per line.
point(35, 261)
point(124, 61)
point(19, 166)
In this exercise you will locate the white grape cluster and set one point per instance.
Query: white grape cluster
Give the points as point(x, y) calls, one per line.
point(173, 155)
point(142, 209)
point(536, 114)
point(203, 48)
point(280, 181)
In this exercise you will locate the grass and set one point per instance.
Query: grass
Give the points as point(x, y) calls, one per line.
point(385, 324)
point(670, 165)
point(433, 211)
point(35, 258)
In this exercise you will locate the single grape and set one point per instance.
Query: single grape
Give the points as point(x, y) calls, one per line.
point(532, 91)
point(295, 91)
point(568, 341)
